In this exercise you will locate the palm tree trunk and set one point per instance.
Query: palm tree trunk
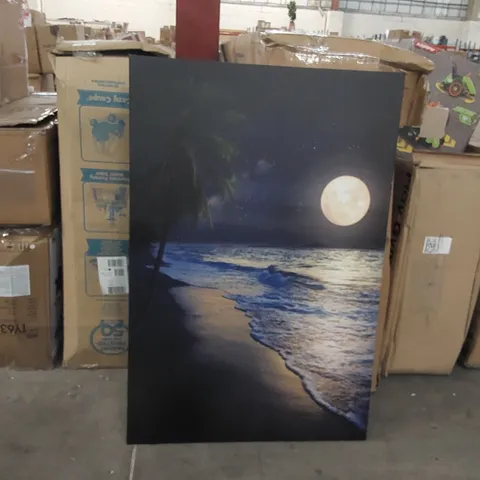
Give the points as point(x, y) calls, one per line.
point(158, 259)
point(155, 272)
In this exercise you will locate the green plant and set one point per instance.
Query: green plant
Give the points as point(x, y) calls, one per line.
point(292, 10)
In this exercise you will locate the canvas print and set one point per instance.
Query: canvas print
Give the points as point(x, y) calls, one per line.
point(259, 200)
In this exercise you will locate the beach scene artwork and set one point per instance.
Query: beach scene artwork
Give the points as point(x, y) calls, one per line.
point(259, 201)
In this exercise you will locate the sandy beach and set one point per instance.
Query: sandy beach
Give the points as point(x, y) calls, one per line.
point(209, 380)
point(224, 336)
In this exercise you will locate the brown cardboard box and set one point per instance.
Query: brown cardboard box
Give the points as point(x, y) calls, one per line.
point(44, 82)
point(30, 300)
point(435, 275)
point(471, 350)
point(398, 34)
point(314, 51)
point(49, 35)
point(94, 174)
point(167, 35)
point(382, 306)
point(28, 161)
point(13, 53)
point(32, 51)
point(400, 191)
point(95, 33)
point(36, 18)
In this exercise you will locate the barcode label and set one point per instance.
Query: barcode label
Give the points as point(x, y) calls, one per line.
point(15, 281)
point(116, 290)
point(113, 275)
point(437, 245)
point(116, 262)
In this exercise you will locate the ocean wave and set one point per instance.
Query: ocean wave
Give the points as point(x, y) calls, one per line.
point(316, 308)
point(272, 276)
point(352, 415)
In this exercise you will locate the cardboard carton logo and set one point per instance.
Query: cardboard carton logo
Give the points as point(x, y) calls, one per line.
point(107, 132)
point(110, 337)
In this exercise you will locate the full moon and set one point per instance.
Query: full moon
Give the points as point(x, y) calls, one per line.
point(345, 201)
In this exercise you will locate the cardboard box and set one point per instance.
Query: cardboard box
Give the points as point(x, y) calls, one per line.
point(36, 18)
point(314, 51)
point(13, 53)
point(471, 350)
point(400, 191)
point(95, 33)
point(44, 82)
point(435, 270)
point(94, 170)
point(167, 35)
point(30, 297)
point(49, 35)
point(34, 66)
point(383, 303)
point(28, 161)
point(474, 142)
point(398, 34)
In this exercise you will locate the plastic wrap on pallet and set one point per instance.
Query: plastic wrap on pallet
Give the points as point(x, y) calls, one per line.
point(28, 161)
point(319, 51)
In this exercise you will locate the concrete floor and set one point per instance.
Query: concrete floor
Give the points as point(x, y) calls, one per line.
point(71, 425)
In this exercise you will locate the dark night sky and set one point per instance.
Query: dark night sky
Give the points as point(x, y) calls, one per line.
point(301, 128)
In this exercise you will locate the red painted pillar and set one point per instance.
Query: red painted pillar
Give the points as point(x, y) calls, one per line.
point(198, 29)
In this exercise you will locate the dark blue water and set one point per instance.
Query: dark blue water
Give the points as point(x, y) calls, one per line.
point(316, 307)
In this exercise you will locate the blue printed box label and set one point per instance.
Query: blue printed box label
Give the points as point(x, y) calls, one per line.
point(106, 196)
point(104, 126)
point(97, 98)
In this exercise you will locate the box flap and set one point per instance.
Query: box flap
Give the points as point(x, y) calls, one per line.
point(104, 46)
point(396, 57)
point(29, 110)
point(446, 160)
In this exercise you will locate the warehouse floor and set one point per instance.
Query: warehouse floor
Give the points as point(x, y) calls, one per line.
point(71, 425)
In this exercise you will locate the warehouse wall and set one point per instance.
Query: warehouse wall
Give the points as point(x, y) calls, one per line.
point(360, 24)
point(150, 15)
point(156, 13)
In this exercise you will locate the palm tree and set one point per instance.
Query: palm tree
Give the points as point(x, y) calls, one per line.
point(196, 166)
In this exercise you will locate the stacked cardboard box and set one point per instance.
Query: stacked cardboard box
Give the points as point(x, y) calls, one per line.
point(94, 173)
point(13, 67)
point(41, 40)
point(30, 244)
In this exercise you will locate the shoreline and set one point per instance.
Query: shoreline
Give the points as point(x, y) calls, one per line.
point(172, 283)
point(196, 375)
point(195, 299)
point(329, 408)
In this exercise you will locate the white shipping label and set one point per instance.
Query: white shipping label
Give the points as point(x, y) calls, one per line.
point(15, 281)
point(437, 245)
point(113, 275)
